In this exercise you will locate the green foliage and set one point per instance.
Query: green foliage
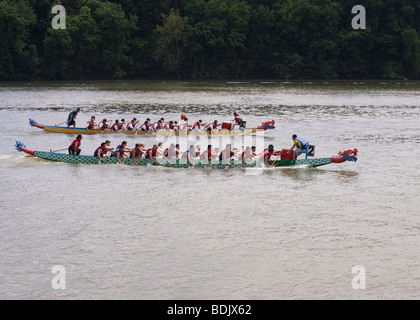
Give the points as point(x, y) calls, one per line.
point(171, 39)
point(15, 19)
point(288, 39)
point(391, 70)
point(115, 31)
point(59, 49)
point(218, 45)
point(411, 52)
point(309, 29)
point(85, 35)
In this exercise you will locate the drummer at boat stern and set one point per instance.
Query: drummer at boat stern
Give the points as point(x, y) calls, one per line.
point(299, 146)
point(74, 148)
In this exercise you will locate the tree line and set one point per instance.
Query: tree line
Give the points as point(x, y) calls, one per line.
point(209, 39)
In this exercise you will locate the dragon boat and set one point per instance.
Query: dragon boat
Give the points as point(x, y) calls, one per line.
point(348, 155)
point(225, 131)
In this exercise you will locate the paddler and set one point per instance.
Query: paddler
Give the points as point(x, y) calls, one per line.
point(177, 151)
point(183, 126)
point(168, 126)
point(107, 147)
point(197, 125)
point(156, 126)
point(197, 151)
point(160, 151)
point(253, 151)
point(137, 152)
point(207, 156)
point(100, 151)
point(170, 152)
point(71, 119)
point(120, 151)
point(226, 154)
point(91, 124)
point(131, 125)
point(103, 124)
point(189, 155)
point(211, 126)
point(116, 126)
point(175, 126)
point(266, 155)
point(299, 146)
point(152, 153)
point(145, 126)
point(74, 148)
point(247, 156)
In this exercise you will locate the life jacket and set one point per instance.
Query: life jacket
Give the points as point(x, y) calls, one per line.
point(120, 126)
point(221, 154)
point(154, 153)
point(207, 128)
point(157, 127)
point(208, 153)
point(91, 125)
point(168, 153)
point(146, 126)
point(104, 125)
point(237, 119)
point(301, 143)
point(117, 150)
point(183, 126)
point(168, 126)
point(76, 142)
point(184, 155)
point(246, 155)
point(95, 154)
point(130, 127)
point(196, 124)
point(262, 155)
point(137, 152)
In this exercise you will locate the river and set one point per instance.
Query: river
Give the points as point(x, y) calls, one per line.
point(343, 231)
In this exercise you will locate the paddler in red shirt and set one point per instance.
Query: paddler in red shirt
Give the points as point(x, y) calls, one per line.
point(91, 124)
point(207, 155)
point(226, 154)
point(247, 156)
point(265, 156)
point(137, 152)
point(100, 152)
point(152, 153)
point(74, 148)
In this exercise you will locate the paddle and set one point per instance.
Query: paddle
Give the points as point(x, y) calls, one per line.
point(59, 150)
point(102, 160)
point(60, 123)
point(139, 162)
point(274, 162)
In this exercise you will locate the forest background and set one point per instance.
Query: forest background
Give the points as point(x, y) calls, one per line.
point(209, 39)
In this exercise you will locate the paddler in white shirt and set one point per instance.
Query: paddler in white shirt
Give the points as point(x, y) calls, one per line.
point(183, 126)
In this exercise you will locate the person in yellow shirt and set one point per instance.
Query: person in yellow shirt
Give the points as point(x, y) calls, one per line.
point(299, 146)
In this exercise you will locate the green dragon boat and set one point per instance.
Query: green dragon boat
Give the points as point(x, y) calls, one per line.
point(348, 155)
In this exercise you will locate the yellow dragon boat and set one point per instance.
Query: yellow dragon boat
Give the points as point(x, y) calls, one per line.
point(73, 131)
